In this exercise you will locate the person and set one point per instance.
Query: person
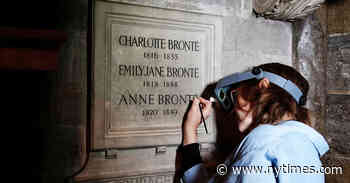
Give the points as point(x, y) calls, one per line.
point(279, 144)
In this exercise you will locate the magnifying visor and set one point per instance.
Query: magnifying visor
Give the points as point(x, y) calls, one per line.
point(224, 91)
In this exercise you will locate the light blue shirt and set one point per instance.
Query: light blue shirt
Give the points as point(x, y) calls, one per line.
point(286, 153)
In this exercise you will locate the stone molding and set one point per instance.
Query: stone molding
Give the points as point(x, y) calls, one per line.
point(285, 10)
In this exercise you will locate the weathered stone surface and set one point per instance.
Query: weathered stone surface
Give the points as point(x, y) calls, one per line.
point(309, 58)
point(338, 16)
point(253, 41)
point(248, 41)
point(71, 81)
point(337, 167)
point(166, 177)
point(338, 67)
point(338, 123)
point(64, 147)
point(338, 83)
point(216, 7)
point(287, 9)
point(66, 132)
point(142, 88)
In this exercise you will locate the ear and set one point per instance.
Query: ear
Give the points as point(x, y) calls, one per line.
point(264, 83)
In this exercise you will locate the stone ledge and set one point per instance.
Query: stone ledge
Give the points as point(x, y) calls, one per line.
point(187, 6)
point(338, 92)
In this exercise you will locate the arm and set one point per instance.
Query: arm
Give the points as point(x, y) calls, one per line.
point(190, 156)
point(193, 119)
point(194, 170)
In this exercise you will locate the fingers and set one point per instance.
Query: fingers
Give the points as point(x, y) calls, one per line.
point(207, 107)
point(196, 101)
point(204, 101)
point(201, 100)
point(193, 118)
point(206, 104)
point(194, 114)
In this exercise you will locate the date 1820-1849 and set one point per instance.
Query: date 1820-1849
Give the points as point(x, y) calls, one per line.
point(156, 112)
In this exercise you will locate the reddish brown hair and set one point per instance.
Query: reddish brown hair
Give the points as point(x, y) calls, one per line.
point(270, 104)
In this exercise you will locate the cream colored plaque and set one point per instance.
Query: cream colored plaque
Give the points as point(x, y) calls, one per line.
point(149, 63)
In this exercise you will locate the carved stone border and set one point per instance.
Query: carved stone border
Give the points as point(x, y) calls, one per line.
point(167, 177)
point(285, 10)
point(105, 135)
point(208, 29)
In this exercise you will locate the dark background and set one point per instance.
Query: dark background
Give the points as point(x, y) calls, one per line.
point(26, 94)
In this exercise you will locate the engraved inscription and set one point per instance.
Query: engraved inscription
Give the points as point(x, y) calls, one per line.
point(148, 65)
point(155, 71)
point(151, 42)
point(147, 179)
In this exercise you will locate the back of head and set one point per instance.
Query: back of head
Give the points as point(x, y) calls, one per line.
point(289, 73)
point(271, 104)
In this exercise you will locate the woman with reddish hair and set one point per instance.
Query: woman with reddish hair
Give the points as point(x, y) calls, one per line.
point(279, 145)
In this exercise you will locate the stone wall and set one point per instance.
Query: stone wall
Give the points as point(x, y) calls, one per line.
point(66, 130)
point(321, 52)
point(309, 57)
point(318, 47)
point(338, 85)
point(338, 100)
point(338, 16)
point(248, 41)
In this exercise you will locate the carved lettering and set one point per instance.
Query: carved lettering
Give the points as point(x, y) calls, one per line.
point(146, 179)
point(149, 63)
point(183, 45)
point(136, 99)
point(141, 70)
point(157, 71)
point(166, 99)
point(149, 99)
point(143, 42)
point(158, 43)
point(183, 72)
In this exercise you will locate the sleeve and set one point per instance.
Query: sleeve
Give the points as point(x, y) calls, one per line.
point(192, 166)
point(196, 174)
point(190, 156)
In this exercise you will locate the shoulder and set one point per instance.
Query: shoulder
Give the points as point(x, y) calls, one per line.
point(290, 143)
point(258, 140)
point(263, 135)
point(286, 130)
point(290, 137)
point(268, 136)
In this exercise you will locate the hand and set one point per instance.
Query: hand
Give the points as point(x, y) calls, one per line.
point(193, 119)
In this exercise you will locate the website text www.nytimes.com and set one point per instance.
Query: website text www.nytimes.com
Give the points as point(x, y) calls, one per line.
point(221, 169)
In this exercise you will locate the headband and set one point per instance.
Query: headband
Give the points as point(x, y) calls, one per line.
point(224, 84)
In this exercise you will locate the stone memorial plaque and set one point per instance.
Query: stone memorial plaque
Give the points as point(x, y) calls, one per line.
point(149, 63)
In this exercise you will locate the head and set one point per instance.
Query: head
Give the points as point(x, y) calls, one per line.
point(262, 102)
